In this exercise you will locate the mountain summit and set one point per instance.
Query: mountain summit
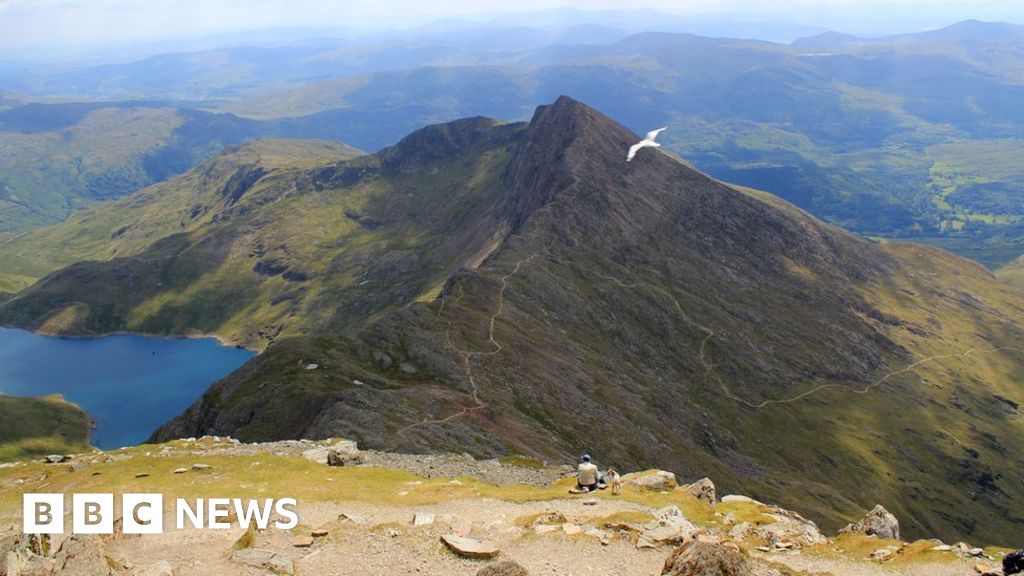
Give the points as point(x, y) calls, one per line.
point(503, 288)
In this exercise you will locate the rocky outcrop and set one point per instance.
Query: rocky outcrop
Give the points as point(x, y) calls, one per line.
point(699, 557)
point(704, 490)
point(77, 556)
point(652, 480)
point(668, 527)
point(338, 454)
point(878, 522)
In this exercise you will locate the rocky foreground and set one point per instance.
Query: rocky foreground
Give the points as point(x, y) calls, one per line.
point(366, 512)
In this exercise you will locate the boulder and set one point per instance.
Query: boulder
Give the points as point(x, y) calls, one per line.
point(706, 558)
point(265, 560)
point(878, 522)
point(788, 526)
point(652, 480)
point(668, 527)
point(703, 489)
point(503, 568)
point(342, 453)
point(469, 547)
point(740, 498)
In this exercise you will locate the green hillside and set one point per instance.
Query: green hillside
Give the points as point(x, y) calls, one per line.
point(1013, 273)
point(35, 426)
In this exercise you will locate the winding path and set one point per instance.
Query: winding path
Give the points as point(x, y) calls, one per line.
point(465, 356)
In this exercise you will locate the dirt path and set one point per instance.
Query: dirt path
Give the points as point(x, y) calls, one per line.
point(383, 540)
point(466, 356)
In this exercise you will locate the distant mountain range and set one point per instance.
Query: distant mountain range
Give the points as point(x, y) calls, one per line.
point(502, 288)
point(914, 136)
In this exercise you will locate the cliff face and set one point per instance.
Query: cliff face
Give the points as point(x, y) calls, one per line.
point(657, 317)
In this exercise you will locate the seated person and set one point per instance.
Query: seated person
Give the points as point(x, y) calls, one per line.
point(587, 475)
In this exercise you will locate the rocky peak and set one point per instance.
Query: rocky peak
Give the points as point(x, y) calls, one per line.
point(564, 143)
point(444, 143)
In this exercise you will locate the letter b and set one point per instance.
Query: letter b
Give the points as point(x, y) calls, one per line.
point(92, 513)
point(43, 514)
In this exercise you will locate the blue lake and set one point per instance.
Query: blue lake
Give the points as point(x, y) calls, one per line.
point(129, 385)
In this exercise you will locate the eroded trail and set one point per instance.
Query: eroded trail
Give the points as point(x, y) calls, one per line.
point(466, 356)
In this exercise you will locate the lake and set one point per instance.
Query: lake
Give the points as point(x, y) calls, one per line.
point(129, 385)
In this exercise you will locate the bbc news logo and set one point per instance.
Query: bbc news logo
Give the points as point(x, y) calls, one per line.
point(144, 513)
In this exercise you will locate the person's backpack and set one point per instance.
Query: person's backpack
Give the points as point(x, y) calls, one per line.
point(1013, 563)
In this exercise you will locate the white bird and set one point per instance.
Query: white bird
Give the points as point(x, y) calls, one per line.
point(647, 142)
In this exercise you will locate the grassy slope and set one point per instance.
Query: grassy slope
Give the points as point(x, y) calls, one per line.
point(45, 175)
point(127, 227)
point(322, 268)
point(35, 426)
point(1013, 273)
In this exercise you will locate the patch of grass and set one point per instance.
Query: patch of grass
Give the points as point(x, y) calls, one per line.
point(36, 426)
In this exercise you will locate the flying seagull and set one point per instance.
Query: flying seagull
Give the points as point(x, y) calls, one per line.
point(648, 141)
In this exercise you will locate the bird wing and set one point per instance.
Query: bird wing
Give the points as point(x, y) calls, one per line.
point(633, 149)
point(654, 133)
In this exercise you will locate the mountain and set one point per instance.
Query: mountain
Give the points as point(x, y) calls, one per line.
point(505, 288)
point(914, 138)
point(994, 47)
point(902, 143)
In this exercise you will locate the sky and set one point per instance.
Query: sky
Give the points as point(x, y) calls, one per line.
point(81, 23)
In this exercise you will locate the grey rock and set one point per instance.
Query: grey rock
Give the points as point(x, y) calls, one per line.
point(668, 527)
point(658, 480)
point(703, 489)
point(469, 547)
point(878, 522)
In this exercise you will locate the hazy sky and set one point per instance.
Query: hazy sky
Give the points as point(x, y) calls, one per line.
point(82, 22)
